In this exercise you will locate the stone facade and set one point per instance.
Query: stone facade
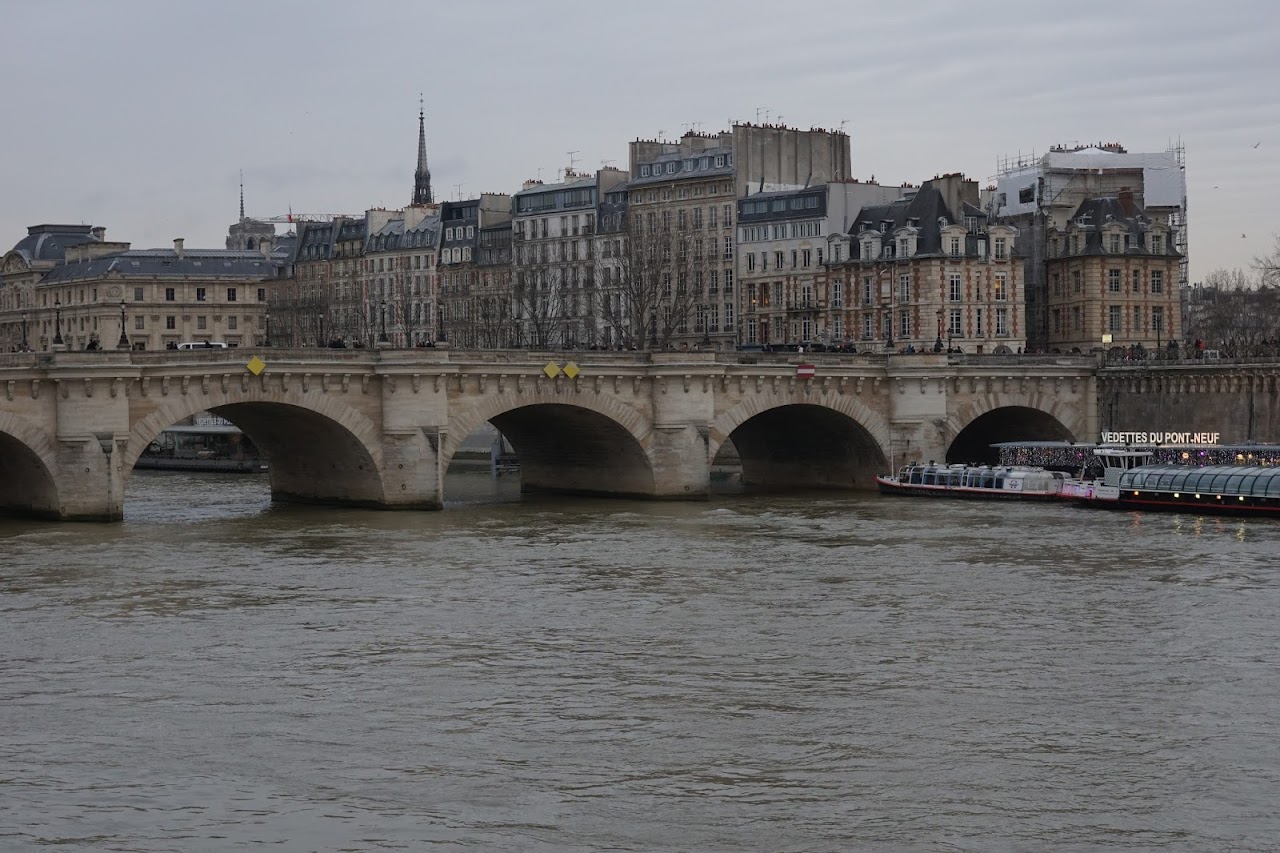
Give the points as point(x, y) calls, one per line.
point(378, 428)
point(1112, 273)
point(920, 277)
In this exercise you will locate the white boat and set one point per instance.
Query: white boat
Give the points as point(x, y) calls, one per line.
point(1010, 482)
point(1115, 461)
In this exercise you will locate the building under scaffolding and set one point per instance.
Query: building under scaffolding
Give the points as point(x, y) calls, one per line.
point(1036, 192)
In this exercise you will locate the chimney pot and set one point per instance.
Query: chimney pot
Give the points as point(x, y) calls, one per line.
point(177, 247)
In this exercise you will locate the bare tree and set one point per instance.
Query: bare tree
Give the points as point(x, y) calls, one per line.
point(539, 303)
point(1268, 266)
point(653, 284)
point(1237, 312)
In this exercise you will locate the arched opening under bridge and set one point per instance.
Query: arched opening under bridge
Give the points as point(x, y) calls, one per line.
point(796, 447)
point(27, 487)
point(1007, 423)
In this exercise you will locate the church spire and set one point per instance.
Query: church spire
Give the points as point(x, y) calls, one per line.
point(422, 177)
point(242, 195)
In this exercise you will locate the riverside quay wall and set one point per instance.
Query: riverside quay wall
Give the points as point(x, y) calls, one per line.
point(1211, 402)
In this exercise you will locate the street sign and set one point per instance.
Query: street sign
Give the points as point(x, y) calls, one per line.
point(805, 371)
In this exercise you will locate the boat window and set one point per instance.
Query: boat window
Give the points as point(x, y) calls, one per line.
point(1136, 480)
point(1166, 480)
point(1218, 482)
point(1273, 484)
point(915, 476)
point(1180, 481)
point(1246, 485)
point(1233, 483)
point(999, 483)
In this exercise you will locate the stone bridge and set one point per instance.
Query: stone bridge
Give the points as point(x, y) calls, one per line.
point(379, 428)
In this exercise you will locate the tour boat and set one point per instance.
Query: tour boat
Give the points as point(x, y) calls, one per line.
point(1012, 482)
point(1130, 481)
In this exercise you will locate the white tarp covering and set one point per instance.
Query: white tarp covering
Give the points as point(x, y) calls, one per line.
point(1163, 183)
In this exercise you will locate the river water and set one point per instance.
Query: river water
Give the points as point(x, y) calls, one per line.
point(809, 672)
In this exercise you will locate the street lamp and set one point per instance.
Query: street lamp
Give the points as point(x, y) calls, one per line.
point(937, 344)
point(382, 320)
point(57, 322)
point(124, 338)
point(24, 331)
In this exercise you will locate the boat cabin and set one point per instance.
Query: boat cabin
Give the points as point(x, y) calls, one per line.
point(1010, 478)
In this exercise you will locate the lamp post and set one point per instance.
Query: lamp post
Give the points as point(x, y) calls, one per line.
point(382, 322)
point(24, 331)
point(57, 322)
point(124, 338)
point(937, 344)
point(267, 337)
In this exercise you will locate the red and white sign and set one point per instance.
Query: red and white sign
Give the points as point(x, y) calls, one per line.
point(805, 371)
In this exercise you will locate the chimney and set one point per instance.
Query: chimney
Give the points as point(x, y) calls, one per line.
point(99, 233)
point(177, 247)
point(1126, 201)
point(264, 246)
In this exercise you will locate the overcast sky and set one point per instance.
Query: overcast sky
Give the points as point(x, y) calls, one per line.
point(139, 115)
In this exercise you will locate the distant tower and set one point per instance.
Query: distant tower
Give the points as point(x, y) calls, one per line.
point(422, 177)
point(242, 195)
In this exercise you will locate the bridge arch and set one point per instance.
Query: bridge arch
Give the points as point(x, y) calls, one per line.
point(973, 427)
point(797, 441)
point(578, 443)
point(27, 463)
point(320, 449)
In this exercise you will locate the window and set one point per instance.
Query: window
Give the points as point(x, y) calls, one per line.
point(728, 282)
point(1000, 289)
point(751, 262)
point(1113, 244)
point(807, 256)
point(1057, 321)
point(233, 322)
point(202, 322)
point(262, 294)
point(955, 326)
point(711, 217)
point(680, 220)
point(1113, 281)
point(1137, 319)
point(1157, 281)
point(1076, 283)
point(837, 299)
point(137, 294)
point(1002, 322)
point(904, 287)
point(171, 322)
point(1155, 244)
point(1000, 248)
point(867, 290)
point(1077, 319)
point(867, 328)
point(231, 294)
point(904, 324)
point(956, 288)
point(1113, 318)
point(777, 260)
point(1137, 281)
point(697, 217)
point(728, 248)
point(671, 167)
point(1057, 284)
point(904, 247)
point(139, 322)
point(200, 291)
point(644, 170)
point(168, 294)
point(955, 247)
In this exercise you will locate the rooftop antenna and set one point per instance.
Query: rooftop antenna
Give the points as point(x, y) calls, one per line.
point(457, 191)
point(539, 174)
point(573, 158)
point(606, 163)
point(843, 122)
point(758, 111)
point(661, 134)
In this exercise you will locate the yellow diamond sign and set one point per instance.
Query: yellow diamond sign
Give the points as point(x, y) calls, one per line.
point(256, 365)
point(552, 370)
point(571, 370)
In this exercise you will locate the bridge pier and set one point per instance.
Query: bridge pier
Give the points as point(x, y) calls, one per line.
point(681, 463)
point(90, 477)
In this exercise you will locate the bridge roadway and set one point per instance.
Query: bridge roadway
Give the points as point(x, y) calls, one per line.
point(379, 428)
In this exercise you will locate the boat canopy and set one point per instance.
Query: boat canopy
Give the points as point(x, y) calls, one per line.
point(1214, 479)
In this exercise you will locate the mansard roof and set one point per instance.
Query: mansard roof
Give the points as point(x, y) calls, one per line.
point(1094, 215)
point(50, 242)
point(195, 263)
point(924, 210)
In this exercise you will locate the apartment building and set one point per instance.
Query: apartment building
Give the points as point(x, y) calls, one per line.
point(1113, 271)
point(463, 319)
point(929, 272)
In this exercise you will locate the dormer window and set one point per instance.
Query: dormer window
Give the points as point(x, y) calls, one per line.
point(904, 247)
point(1113, 242)
point(644, 170)
point(955, 245)
point(971, 224)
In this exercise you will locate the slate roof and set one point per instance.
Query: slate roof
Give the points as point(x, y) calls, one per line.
point(926, 206)
point(50, 242)
point(1097, 213)
point(197, 263)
